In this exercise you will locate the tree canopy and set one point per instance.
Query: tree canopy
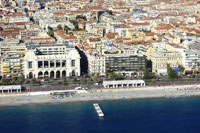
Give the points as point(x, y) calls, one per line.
point(181, 68)
point(66, 29)
point(65, 82)
point(148, 74)
point(115, 76)
point(50, 33)
point(81, 17)
point(171, 73)
point(75, 23)
point(59, 27)
point(50, 28)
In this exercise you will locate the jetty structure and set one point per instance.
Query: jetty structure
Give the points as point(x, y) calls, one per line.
point(98, 109)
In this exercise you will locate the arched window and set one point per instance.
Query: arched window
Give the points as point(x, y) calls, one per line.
point(52, 74)
point(58, 74)
point(30, 75)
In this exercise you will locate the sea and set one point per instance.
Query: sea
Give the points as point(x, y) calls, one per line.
point(165, 115)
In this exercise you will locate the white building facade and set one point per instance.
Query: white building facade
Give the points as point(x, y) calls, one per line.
point(96, 64)
point(51, 61)
point(160, 60)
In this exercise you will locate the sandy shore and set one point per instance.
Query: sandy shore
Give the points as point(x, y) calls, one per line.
point(103, 94)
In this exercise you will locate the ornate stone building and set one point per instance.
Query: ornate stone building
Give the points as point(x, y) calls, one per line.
point(53, 61)
point(160, 59)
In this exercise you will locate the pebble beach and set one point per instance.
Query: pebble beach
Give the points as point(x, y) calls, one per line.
point(103, 94)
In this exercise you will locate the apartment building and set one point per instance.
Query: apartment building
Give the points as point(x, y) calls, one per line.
point(96, 63)
point(17, 17)
point(11, 48)
point(12, 65)
point(11, 58)
point(28, 33)
point(191, 57)
point(127, 64)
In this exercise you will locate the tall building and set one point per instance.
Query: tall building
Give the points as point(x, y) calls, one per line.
point(191, 60)
point(127, 64)
point(191, 57)
point(96, 63)
point(11, 62)
point(12, 65)
point(51, 61)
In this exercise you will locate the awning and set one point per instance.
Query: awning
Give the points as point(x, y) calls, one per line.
point(188, 72)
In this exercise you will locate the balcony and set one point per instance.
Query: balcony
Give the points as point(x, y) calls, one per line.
point(6, 69)
point(16, 65)
point(16, 68)
point(6, 65)
point(22, 58)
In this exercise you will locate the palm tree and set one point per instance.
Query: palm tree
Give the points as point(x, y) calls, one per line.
point(65, 82)
point(4, 81)
point(181, 69)
point(141, 70)
point(14, 79)
point(193, 69)
point(21, 79)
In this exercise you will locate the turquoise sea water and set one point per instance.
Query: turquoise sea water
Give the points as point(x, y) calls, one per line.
point(181, 115)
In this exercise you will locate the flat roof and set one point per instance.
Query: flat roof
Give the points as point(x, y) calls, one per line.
point(11, 87)
point(123, 82)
